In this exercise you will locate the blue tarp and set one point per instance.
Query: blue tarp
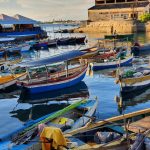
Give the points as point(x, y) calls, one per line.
point(54, 59)
point(17, 34)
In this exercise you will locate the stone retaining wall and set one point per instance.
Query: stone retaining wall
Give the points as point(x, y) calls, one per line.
point(121, 27)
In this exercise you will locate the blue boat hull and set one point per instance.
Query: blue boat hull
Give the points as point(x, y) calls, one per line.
point(27, 33)
point(57, 86)
point(110, 66)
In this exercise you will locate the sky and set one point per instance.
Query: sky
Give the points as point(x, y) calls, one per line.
point(45, 10)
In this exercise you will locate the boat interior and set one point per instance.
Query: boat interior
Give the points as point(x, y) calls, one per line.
point(8, 78)
point(54, 75)
point(113, 135)
point(66, 121)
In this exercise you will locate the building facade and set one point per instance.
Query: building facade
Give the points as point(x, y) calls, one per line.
point(118, 9)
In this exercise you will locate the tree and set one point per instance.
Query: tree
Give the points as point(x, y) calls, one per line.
point(145, 17)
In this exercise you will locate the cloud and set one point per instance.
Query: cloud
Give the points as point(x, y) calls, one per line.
point(47, 9)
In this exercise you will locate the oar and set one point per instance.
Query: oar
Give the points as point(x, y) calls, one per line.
point(31, 129)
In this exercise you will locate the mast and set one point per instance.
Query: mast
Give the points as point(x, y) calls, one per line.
point(27, 70)
point(134, 12)
point(46, 73)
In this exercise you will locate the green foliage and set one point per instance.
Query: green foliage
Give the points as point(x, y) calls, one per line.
point(145, 17)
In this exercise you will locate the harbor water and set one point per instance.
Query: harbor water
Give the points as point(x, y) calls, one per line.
point(15, 110)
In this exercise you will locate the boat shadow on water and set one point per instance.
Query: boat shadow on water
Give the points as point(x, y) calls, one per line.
point(79, 90)
point(133, 99)
point(10, 92)
point(36, 111)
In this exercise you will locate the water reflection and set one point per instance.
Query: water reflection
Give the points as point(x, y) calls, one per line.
point(36, 111)
point(80, 90)
point(10, 93)
point(132, 99)
point(100, 84)
point(106, 73)
point(49, 102)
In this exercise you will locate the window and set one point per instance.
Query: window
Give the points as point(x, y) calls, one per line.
point(120, 1)
point(116, 16)
point(125, 16)
point(110, 1)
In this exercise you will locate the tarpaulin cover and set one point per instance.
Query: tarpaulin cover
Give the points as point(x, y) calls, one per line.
point(54, 59)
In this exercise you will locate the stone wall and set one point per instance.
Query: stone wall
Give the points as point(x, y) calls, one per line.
point(147, 27)
point(109, 27)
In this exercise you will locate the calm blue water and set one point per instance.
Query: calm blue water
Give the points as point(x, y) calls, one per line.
point(100, 84)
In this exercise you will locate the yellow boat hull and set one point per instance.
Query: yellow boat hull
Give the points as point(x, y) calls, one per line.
point(9, 80)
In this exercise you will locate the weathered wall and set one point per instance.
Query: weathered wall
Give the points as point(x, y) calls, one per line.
point(105, 14)
point(147, 27)
point(108, 26)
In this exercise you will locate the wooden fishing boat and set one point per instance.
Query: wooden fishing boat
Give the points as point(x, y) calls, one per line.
point(6, 64)
point(144, 49)
point(63, 41)
point(71, 40)
point(88, 54)
point(40, 45)
point(127, 61)
point(9, 80)
point(13, 49)
point(20, 48)
point(108, 134)
point(80, 112)
point(48, 81)
point(74, 92)
point(10, 61)
point(141, 50)
point(134, 80)
point(120, 36)
point(81, 40)
point(6, 40)
point(52, 43)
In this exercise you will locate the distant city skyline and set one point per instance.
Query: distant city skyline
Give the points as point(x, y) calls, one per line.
point(47, 10)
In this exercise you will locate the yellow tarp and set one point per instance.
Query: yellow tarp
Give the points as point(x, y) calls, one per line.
point(54, 134)
point(61, 120)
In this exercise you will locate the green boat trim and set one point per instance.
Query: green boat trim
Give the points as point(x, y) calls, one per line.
point(48, 119)
point(120, 36)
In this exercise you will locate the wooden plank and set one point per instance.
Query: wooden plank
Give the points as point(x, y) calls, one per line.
point(135, 80)
point(104, 122)
point(140, 126)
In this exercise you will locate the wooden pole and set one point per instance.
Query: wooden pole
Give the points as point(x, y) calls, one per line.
point(27, 69)
point(11, 71)
point(46, 73)
point(66, 68)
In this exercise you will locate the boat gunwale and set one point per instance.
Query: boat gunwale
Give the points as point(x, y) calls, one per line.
point(133, 80)
point(55, 80)
point(103, 122)
point(14, 78)
point(116, 62)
